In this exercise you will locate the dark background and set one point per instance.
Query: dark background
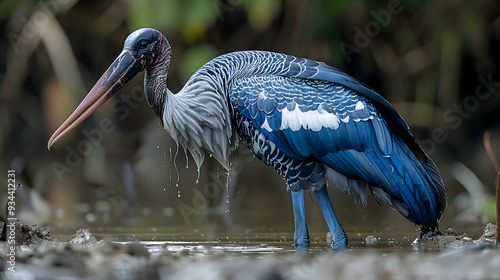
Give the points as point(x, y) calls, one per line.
point(435, 61)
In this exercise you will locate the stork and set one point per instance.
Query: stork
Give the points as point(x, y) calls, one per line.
point(306, 120)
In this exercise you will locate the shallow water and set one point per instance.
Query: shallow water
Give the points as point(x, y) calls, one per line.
point(387, 239)
point(243, 240)
point(183, 253)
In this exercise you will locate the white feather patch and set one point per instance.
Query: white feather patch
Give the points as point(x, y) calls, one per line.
point(359, 106)
point(266, 126)
point(309, 120)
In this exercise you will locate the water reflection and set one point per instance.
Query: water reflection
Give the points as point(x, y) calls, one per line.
point(243, 240)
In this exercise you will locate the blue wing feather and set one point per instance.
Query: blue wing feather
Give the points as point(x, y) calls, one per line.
point(312, 111)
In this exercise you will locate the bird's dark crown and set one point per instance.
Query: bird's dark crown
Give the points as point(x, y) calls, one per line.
point(148, 45)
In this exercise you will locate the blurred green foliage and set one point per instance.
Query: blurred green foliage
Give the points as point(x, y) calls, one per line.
point(195, 57)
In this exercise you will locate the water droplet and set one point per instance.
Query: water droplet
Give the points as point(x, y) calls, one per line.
point(178, 193)
point(187, 158)
point(174, 163)
point(227, 187)
point(90, 217)
point(164, 189)
point(198, 177)
point(227, 211)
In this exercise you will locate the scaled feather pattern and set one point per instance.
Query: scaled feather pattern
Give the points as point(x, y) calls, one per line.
point(307, 121)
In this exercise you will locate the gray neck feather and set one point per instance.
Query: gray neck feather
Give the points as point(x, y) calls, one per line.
point(198, 118)
point(155, 84)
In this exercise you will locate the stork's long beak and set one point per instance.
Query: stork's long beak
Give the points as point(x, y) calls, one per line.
point(123, 69)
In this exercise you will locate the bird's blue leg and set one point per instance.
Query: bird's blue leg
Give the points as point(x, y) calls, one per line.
point(301, 238)
point(339, 238)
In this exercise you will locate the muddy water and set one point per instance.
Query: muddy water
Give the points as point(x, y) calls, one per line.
point(173, 253)
point(245, 240)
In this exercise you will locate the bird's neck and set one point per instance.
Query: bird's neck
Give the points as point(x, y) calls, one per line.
point(198, 118)
point(155, 85)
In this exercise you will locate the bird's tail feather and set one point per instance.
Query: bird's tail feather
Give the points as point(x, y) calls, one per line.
point(408, 183)
point(428, 191)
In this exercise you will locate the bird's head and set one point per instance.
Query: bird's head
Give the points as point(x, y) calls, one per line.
point(147, 46)
point(142, 50)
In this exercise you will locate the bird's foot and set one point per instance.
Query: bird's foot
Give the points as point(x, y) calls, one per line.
point(340, 244)
point(339, 241)
point(301, 243)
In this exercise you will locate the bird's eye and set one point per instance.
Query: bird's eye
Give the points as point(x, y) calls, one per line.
point(143, 44)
